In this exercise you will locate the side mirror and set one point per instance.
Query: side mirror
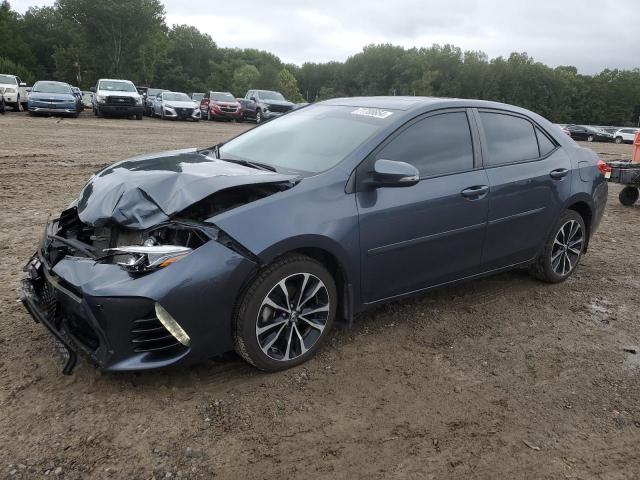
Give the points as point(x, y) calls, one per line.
point(391, 173)
point(29, 89)
point(93, 89)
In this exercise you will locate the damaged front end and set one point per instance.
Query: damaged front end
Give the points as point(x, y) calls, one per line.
point(145, 284)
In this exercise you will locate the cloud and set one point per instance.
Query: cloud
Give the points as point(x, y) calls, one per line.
point(589, 35)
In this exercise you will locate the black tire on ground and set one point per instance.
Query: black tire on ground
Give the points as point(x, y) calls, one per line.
point(139, 116)
point(98, 112)
point(629, 195)
point(542, 268)
point(590, 138)
point(18, 106)
point(250, 305)
point(618, 140)
point(209, 118)
point(258, 116)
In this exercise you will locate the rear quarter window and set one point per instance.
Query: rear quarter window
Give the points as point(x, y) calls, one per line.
point(509, 138)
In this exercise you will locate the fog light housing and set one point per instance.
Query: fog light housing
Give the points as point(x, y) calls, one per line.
point(172, 326)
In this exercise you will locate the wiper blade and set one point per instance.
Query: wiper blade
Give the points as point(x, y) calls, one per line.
point(247, 163)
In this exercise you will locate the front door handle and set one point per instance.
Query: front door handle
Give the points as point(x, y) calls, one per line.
point(558, 173)
point(476, 192)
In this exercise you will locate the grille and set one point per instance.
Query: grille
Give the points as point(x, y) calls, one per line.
point(228, 109)
point(279, 108)
point(149, 335)
point(184, 111)
point(113, 100)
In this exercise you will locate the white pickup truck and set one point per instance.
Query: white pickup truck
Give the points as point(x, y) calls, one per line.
point(14, 92)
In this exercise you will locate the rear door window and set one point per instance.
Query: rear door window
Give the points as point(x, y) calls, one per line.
point(545, 144)
point(436, 145)
point(509, 138)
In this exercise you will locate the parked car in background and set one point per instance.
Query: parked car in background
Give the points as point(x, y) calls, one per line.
point(197, 97)
point(220, 106)
point(625, 135)
point(2, 106)
point(78, 94)
point(590, 134)
point(258, 244)
point(87, 99)
point(118, 98)
point(53, 98)
point(150, 99)
point(564, 128)
point(14, 92)
point(262, 105)
point(176, 105)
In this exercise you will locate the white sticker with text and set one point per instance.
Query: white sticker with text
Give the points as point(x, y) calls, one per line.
point(372, 112)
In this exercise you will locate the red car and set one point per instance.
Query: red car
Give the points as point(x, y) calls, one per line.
point(220, 106)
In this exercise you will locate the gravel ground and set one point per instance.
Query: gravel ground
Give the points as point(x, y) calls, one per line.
point(504, 377)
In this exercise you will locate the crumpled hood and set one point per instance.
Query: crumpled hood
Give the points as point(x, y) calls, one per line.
point(284, 103)
point(143, 191)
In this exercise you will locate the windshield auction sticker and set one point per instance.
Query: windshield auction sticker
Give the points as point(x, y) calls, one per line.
point(372, 112)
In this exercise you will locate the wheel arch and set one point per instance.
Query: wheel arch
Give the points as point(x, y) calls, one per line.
point(323, 251)
point(585, 210)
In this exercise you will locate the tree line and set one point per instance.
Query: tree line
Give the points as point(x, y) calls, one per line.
point(79, 41)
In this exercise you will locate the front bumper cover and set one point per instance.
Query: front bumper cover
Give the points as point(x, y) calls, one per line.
point(107, 314)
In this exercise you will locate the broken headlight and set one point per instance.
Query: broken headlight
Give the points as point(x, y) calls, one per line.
point(144, 258)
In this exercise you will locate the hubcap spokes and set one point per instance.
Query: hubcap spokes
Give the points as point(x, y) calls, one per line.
point(292, 316)
point(567, 247)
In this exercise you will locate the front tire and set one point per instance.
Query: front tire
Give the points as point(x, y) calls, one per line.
point(629, 195)
point(259, 116)
point(618, 140)
point(18, 106)
point(285, 314)
point(563, 250)
point(590, 138)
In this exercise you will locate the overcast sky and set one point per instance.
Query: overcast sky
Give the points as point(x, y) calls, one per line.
point(590, 34)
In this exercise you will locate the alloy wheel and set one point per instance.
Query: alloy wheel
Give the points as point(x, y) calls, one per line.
point(567, 247)
point(292, 316)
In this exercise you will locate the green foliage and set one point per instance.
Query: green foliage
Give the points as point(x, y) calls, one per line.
point(288, 86)
point(79, 41)
point(9, 67)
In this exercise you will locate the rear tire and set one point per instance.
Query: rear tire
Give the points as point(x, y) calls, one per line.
point(618, 140)
point(285, 314)
point(629, 195)
point(563, 250)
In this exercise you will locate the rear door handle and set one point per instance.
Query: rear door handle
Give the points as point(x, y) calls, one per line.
point(476, 192)
point(558, 173)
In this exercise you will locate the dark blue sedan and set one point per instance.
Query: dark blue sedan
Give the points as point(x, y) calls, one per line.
point(53, 98)
point(260, 243)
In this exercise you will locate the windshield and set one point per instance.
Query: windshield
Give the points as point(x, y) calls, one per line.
point(197, 96)
point(176, 97)
point(152, 92)
point(116, 86)
point(222, 97)
point(51, 87)
point(266, 95)
point(312, 139)
point(8, 79)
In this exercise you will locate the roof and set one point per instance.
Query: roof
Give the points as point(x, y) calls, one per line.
point(395, 103)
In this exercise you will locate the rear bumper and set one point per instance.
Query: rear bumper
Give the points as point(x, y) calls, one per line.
point(108, 315)
point(600, 196)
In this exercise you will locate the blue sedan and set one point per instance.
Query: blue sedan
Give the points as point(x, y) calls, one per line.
point(53, 98)
point(261, 243)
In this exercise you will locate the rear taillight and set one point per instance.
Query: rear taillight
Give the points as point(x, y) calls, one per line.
point(604, 168)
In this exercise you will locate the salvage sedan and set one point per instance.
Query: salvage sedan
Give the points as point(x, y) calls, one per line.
point(260, 243)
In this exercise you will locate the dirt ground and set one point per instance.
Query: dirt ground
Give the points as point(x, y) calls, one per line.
point(504, 377)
